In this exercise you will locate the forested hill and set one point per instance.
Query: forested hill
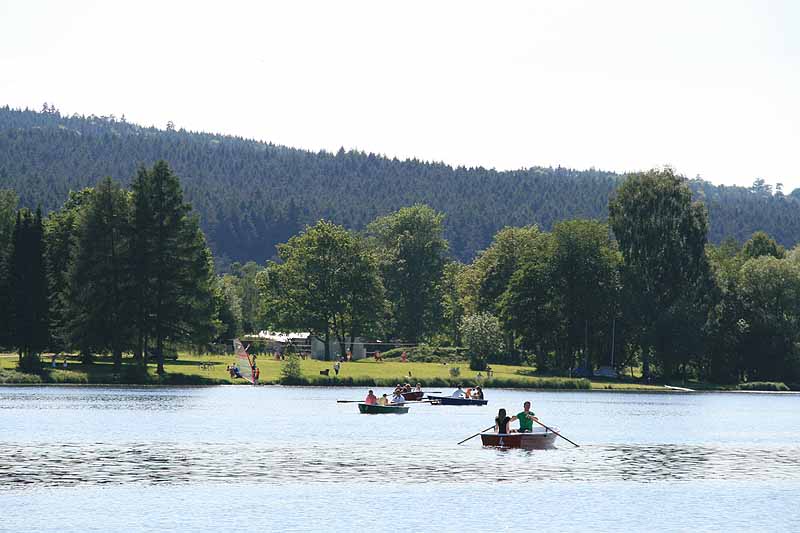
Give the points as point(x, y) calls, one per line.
point(251, 195)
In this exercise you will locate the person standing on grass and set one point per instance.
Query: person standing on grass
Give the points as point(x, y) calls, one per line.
point(526, 418)
point(336, 367)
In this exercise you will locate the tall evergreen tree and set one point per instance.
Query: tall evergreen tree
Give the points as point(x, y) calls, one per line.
point(100, 281)
point(172, 266)
point(8, 210)
point(29, 289)
point(60, 238)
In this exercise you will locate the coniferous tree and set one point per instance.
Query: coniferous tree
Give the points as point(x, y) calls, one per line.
point(100, 281)
point(8, 209)
point(60, 236)
point(172, 266)
point(28, 289)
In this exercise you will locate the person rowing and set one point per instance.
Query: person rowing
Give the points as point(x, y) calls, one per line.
point(526, 418)
point(458, 393)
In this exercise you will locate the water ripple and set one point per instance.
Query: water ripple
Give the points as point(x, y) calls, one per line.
point(165, 463)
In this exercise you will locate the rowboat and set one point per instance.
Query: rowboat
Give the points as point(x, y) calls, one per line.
point(449, 400)
point(538, 439)
point(375, 409)
point(413, 396)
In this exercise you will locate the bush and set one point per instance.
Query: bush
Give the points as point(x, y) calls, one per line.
point(425, 353)
point(764, 386)
point(66, 376)
point(13, 376)
point(291, 374)
point(455, 371)
point(483, 338)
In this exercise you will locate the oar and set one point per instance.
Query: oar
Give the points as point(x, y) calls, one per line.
point(349, 401)
point(476, 434)
point(556, 432)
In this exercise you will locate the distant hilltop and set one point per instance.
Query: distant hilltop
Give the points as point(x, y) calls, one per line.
point(251, 195)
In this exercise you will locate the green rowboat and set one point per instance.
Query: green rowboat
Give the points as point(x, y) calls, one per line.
point(374, 409)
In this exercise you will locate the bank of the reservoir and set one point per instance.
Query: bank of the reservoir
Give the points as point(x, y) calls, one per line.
point(212, 370)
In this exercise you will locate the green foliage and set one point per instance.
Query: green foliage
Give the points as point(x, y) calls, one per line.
point(662, 237)
point(425, 353)
point(327, 283)
point(28, 289)
point(454, 371)
point(61, 239)
point(761, 244)
point(483, 338)
point(8, 211)
point(411, 250)
point(172, 266)
point(252, 195)
point(99, 280)
point(763, 386)
point(18, 378)
point(291, 373)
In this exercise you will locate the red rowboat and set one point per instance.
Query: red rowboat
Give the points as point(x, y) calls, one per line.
point(539, 439)
point(413, 396)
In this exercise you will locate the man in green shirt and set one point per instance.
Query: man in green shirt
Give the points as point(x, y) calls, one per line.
point(526, 418)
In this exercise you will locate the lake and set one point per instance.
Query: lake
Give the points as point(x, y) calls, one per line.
point(238, 458)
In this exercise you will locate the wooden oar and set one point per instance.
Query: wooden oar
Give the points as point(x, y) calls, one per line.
point(556, 432)
point(476, 434)
point(350, 401)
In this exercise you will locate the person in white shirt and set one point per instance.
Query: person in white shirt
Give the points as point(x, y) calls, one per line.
point(398, 398)
point(458, 393)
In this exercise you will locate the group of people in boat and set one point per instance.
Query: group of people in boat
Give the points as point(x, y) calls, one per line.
point(396, 399)
point(526, 418)
point(470, 393)
point(407, 388)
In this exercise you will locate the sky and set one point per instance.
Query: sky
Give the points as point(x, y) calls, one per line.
point(709, 87)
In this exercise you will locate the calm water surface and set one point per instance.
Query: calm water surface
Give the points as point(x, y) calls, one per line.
point(282, 458)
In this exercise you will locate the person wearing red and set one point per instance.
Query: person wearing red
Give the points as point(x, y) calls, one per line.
point(371, 398)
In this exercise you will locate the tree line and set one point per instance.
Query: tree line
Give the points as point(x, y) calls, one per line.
point(112, 271)
point(129, 271)
point(251, 195)
point(645, 289)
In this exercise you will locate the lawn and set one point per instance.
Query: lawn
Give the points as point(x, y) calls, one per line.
point(191, 369)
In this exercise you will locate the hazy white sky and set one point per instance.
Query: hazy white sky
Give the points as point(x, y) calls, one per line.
point(710, 87)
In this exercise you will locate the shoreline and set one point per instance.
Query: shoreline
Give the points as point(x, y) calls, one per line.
point(654, 390)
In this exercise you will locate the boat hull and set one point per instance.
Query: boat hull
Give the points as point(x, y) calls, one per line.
point(448, 400)
point(413, 396)
point(374, 409)
point(538, 440)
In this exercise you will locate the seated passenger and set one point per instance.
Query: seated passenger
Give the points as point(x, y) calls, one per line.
point(458, 393)
point(478, 394)
point(383, 400)
point(398, 398)
point(501, 422)
point(371, 398)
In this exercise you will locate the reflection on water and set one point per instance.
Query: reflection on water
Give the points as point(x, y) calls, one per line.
point(72, 464)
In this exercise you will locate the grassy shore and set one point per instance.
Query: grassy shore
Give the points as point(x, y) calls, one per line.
point(192, 369)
